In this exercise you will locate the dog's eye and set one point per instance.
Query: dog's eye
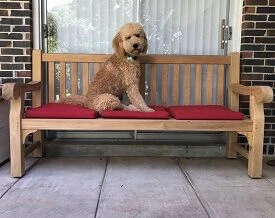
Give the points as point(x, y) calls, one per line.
point(128, 37)
point(137, 35)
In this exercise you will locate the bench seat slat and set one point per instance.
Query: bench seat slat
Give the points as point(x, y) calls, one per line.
point(137, 124)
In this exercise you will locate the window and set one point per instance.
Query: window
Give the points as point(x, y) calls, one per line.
point(172, 26)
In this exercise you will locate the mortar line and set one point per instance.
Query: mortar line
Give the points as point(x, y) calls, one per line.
point(193, 187)
point(101, 188)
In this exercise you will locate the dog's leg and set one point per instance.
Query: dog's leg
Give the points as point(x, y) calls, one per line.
point(74, 100)
point(136, 99)
point(104, 102)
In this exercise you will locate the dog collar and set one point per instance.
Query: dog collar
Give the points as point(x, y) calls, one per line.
point(131, 59)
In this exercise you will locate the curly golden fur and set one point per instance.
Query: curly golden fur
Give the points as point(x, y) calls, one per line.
point(120, 74)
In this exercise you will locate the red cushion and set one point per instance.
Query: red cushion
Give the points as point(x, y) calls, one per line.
point(159, 113)
point(204, 112)
point(56, 110)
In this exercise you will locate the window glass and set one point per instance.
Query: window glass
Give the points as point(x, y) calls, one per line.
point(172, 26)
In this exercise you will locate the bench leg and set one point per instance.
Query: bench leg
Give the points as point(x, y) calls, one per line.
point(256, 140)
point(38, 152)
point(17, 156)
point(255, 158)
point(17, 148)
point(232, 138)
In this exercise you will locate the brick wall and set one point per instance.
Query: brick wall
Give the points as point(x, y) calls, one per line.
point(15, 42)
point(258, 57)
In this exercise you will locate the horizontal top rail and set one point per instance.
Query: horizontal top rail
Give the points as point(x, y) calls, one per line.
point(151, 58)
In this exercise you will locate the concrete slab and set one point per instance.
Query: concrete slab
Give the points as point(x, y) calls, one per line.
point(6, 181)
point(147, 187)
point(56, 187)
point(225, 189)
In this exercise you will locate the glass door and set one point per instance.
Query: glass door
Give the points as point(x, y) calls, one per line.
point(173, 27)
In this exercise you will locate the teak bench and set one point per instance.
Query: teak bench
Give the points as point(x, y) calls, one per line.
point(185, 80)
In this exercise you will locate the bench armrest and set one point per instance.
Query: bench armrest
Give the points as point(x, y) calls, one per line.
point(11, 91)
point(262, 94)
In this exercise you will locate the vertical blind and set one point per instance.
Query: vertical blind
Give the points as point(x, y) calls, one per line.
point(172, 26)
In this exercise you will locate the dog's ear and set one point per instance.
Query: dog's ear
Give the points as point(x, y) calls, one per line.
point(144, 50)
point(117, 45)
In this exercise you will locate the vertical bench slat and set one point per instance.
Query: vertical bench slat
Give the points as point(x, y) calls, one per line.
point(187, 83)
point(96, 67)
point(176, 81)
point(164, 84)
point(220, 85)
point(62, 79)
point(51, 81)
point(153, 84)
point(198, 83)
point(74, 78)
point(142, 81)
point(85, 80)
point(209, 84)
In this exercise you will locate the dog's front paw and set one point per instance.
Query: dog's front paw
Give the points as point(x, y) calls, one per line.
point(131, 107)
point(149, 110)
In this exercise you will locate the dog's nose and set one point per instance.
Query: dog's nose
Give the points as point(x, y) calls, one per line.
point(135, 45)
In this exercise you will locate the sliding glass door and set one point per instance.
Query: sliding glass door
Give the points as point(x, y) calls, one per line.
point(172, 26)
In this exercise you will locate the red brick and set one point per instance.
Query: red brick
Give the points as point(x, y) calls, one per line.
point(265, 25)
point(247, 40)
point(270, 32)
point(267, 10)
point(254, 17)
point(248, 25)
point(266, 40)
point(254, 76)
point(23, 74)
point(246, 54)
point(256, 2)
point(249, 10)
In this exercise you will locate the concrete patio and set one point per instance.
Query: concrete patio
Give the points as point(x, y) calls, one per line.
point(137, 187)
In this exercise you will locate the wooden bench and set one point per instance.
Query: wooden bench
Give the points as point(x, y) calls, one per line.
point(184, 80)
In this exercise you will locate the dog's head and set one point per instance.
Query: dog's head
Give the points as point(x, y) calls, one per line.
point(130, 40)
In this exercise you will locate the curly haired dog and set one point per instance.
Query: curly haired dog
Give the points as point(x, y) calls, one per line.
point(120, 74)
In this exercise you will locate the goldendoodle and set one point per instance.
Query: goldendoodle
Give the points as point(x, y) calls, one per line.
point(120, 74)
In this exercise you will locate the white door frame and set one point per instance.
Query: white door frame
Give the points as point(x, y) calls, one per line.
point(235, 20)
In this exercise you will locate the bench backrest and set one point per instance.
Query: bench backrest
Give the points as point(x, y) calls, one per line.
point(166, 79)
